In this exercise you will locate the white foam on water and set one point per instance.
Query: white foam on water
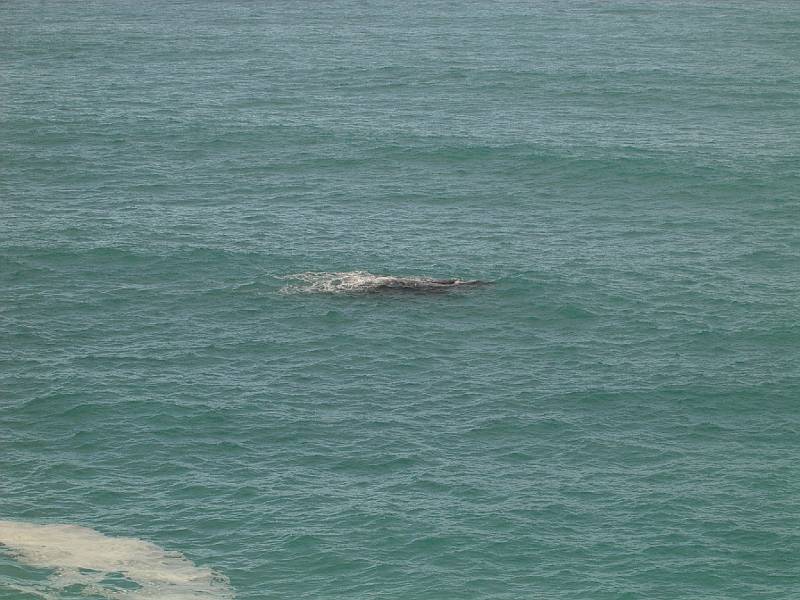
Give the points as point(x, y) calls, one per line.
point(362, 281)
point(84, 557)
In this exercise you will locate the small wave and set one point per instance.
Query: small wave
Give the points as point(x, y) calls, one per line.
point(362, 281)
point(86, 558)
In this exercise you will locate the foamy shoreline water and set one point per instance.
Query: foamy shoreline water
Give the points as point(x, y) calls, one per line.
point(82, 557)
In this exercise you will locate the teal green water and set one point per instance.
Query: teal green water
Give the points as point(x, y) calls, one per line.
point(614, 416)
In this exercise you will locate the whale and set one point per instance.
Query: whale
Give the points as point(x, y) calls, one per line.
point(365, 282)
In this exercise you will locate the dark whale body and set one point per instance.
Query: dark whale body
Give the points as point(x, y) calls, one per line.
point(421, 284)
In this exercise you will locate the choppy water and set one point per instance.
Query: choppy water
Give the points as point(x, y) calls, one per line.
point(187, 412)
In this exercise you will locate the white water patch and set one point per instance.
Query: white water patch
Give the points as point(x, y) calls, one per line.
point(86, 558)
point(362, 281)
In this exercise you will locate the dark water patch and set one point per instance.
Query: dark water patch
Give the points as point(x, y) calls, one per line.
point(570, 311)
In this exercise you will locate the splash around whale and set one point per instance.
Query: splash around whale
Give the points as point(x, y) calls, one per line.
point(364, 282)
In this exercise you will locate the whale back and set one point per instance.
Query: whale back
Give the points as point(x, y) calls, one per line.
point(365, 282)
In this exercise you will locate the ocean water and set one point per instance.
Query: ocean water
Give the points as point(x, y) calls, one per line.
point(208, 390)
